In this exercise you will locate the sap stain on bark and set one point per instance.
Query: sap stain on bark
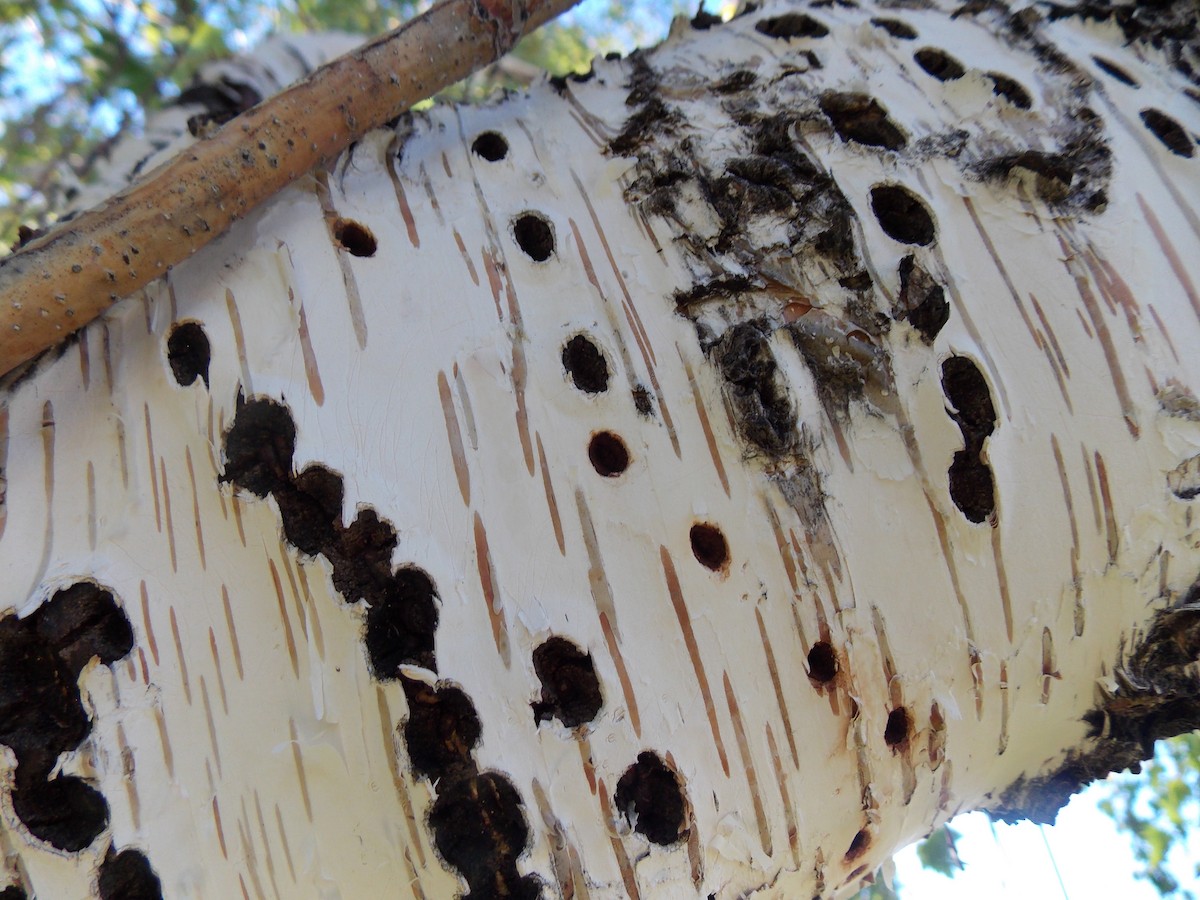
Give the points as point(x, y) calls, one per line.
point(651, 798)
point(42, 714)
point(570, 688)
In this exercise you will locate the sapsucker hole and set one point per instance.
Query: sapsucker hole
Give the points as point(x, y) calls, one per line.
point(570, 687)
point(902, 215)
point(188, 353)
point(897, 29)
point(822, 662)
point(858, 846)
point(709, 546)
point(860, 118)
point(534, 235)
point(970, 398)
point(940, 64)
point(971, 486)
point(791, 25)
point(899, 723)
point(401, 622)
point(441, 731)
point(65, 812)
point(650, 796)
point(1113, 70)
point(491, 146)
point(608, 454)
point(354, 237)
point(585, 364)
point(1010, 89)
point(127, 876)
point(259, 446)
point(1170, 132)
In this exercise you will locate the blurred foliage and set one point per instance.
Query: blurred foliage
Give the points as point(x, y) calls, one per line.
point(75, 73)
point(1160, 810)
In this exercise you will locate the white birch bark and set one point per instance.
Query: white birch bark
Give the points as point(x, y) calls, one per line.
point(846, 652)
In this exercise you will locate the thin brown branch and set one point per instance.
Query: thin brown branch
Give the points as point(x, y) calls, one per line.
point(61, 281)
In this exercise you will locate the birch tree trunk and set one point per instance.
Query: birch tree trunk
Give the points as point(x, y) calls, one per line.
point(700, 477)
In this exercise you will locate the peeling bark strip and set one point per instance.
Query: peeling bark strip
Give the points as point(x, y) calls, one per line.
point(57, 284)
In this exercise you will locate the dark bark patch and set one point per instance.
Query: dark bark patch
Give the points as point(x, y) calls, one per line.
point(570, 688)
point(259, 446)
point(534, 235)
point(902, 215)
point(312, 511)
point(585, 364)
point(822, 662)
point(921, 301)
point(1170, 132)
point(940, 64)
point(82, 621)
point(755, 390)
point(642, 402)
point(791, 25)
point(491, 146)
point(221, 101)
point(127, 876)
point(898, 728)
point(741, 80)
point(401, 623)
point(1010, 89)
point(704, 20)
point(860, 118)
point(1054, 173)
point(65, 812)
point(897, 29)
point(608, 453)
point(188, 353)
point(479, 829)
point(650, 796)
point(354, 237)
point(1110, 68)
point(441, 731)
point(709, 546)
point(14, 892)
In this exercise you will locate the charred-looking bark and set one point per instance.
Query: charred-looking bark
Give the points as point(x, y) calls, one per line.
point(696, 478)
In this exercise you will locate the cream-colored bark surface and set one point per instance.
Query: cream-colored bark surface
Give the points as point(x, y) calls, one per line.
point(793, 357)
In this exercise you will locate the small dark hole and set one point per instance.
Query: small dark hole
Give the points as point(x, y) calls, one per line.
point(642, 402)
point(650, 797)
point(585, 363)
point(1112, 69)
point(922, 301)
point(1010, 89)
point(127, 876)
point(791, 25)
point(1170, 132)
point(608, 454)
point(940, 64)
point(859, 845)
point(896, 28)
point(902, 215)
point(570, 688)
point(857, 117)
point(710, 546)
point(822, 662)
point(188, 352)
point(534, 235)
point(355, 237)
point(897, 728)
point(491, 146)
